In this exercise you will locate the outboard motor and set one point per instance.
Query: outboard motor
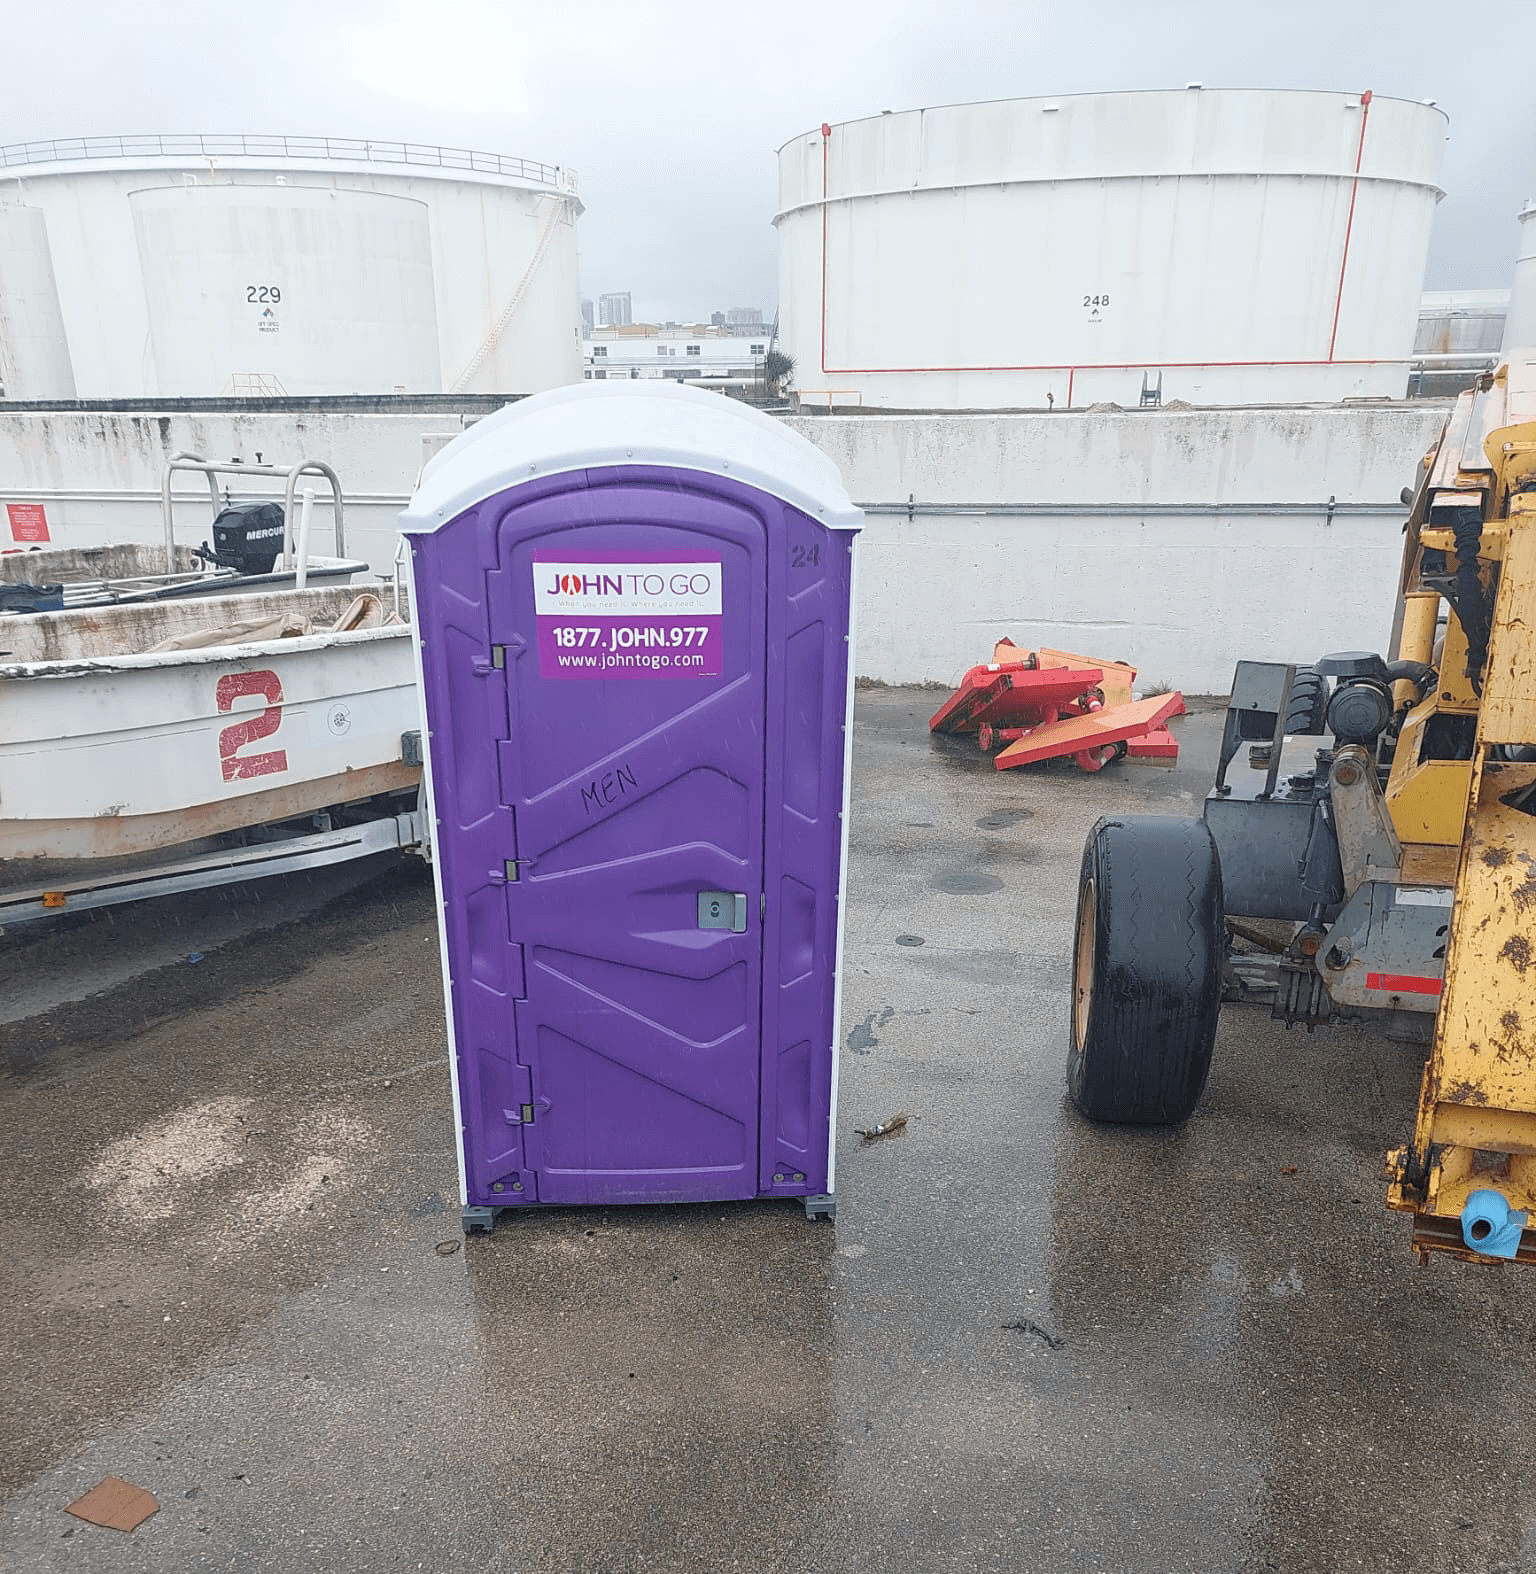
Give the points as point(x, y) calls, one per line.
point(247, 537)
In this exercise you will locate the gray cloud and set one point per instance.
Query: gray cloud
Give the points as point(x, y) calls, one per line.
point(672, 110)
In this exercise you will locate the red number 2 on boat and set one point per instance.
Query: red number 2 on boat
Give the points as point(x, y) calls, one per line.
point(238, 685)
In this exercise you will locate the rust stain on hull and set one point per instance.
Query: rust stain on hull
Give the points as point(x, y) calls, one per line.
point(120, 836)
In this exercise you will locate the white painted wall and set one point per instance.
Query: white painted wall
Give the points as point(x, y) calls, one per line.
point(98, 473)
point(1149, 536)
point(1247, 245)
point(1192, 571)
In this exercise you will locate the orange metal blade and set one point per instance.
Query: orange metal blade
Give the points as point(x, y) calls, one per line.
point(1118, 681)
point(1159, 746)
point(1090, 732)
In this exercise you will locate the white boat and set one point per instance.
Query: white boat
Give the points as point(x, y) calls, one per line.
point(149, 745)
point(136, 571)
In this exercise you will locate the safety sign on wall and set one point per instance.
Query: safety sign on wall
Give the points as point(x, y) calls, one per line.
point(29, 522)
point(660, 619)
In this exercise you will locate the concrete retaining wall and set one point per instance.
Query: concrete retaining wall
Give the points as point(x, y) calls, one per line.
point(98, 472)
point(1178, 540)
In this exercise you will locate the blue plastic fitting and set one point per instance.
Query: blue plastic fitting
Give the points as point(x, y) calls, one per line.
point(1490, 1226)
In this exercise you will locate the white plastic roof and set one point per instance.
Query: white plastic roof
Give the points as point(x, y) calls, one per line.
point(628, 423)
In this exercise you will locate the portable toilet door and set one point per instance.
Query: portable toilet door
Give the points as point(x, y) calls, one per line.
point(633, 607)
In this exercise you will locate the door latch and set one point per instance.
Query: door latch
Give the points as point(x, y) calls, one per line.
point(723, 910)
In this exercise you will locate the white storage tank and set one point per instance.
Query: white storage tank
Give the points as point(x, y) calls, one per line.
point(1461, 322)
point(1520, 325)
point(203, 266)
point(34, 353)
point(356, 290)
point(1219, 247)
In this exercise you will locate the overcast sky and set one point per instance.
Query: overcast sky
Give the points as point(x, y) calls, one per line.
point(671, 109)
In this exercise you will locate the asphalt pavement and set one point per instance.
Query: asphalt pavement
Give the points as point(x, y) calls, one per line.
point(235, 1275)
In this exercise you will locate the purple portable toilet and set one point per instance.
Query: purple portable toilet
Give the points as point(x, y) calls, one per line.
point(632, 603)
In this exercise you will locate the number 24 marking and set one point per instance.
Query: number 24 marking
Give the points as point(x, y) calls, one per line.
point(805, 557)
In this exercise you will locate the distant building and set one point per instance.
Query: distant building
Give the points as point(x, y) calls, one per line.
point(744, 316)
point(588, 321)
point(613, 311)
point(717, 319)
point(706, 353)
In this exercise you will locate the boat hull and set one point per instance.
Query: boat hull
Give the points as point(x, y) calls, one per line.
point(111, 749)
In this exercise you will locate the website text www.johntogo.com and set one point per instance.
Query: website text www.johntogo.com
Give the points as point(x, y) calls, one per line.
point(654, 661)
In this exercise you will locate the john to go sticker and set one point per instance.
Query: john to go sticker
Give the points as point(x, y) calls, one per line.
point(628, 620)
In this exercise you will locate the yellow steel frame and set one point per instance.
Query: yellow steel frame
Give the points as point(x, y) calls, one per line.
point(1476, 1127)
point(1427, 798)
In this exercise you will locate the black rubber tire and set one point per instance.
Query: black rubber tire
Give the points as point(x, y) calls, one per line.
point(1307, 709)
point(1146, 969)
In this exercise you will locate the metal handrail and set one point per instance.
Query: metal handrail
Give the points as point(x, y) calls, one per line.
point(290, 475)
point(59, 150)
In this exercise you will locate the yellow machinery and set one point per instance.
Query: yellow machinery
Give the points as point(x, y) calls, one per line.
point(1402, 864)
point(1472, 821)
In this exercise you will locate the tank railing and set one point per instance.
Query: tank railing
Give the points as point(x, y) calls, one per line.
point(61, 150)
point(290, 475)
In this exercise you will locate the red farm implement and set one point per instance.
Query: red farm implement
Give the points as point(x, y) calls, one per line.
point(1028, 705)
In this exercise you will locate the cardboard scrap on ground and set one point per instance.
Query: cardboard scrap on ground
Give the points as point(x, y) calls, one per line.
point(114, 1504)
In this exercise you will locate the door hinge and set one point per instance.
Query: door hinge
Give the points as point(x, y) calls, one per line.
point(507, 874)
